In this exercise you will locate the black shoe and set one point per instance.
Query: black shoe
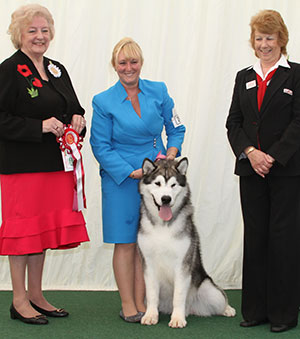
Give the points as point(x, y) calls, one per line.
point(59, 313)
point(282, 327)
point(37, 320)
point(253, 323)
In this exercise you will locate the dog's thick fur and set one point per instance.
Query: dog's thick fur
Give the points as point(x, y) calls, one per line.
point(176, 281)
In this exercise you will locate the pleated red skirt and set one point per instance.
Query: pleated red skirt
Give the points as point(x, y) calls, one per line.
point(37, 213)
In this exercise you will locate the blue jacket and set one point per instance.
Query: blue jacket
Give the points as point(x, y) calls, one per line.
point(120, 139)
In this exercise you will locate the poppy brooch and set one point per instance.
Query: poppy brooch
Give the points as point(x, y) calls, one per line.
point(33, 82)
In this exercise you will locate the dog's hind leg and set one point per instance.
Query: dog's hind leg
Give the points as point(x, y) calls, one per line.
point(211, 300)
point(229, 311)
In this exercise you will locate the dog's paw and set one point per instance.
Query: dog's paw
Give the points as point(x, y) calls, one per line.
point(229, 311)
point(150, 318)
point(177, 322)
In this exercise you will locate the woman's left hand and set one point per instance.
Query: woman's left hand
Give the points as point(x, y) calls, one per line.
point(78, 123)
point(171, 153)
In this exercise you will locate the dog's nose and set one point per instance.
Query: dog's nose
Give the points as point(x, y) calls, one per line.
point(165, 199)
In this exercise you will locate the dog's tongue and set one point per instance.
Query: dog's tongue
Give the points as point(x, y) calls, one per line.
point(165, 213)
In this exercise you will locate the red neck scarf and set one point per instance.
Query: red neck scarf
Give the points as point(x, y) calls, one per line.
point(262, 86)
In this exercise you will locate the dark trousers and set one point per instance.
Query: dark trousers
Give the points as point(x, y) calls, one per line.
point(271, 263)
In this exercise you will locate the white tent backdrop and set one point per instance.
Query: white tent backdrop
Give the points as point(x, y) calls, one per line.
point(196, 47)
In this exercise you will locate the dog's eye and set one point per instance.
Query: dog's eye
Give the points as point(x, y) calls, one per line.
point(173, 185)
point(157, 183)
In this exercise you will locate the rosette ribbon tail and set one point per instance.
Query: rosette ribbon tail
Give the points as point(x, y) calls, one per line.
point(79, 201)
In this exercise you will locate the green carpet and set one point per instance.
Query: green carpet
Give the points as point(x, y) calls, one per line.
point(96, 315)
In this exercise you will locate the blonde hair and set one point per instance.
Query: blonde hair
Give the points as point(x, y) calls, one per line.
point(269, 22)
point(23, 16)
point(130, 49)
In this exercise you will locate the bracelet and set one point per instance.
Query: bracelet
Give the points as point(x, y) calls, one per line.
point(251, 149)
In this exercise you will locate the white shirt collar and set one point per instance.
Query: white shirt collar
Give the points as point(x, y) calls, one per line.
point(281, 62)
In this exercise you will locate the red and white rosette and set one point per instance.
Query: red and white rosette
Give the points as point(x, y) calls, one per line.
point(71, 141)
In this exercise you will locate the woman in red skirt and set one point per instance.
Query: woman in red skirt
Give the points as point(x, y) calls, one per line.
point(36, 100)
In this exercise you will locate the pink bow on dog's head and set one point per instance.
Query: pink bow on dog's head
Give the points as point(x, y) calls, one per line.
point(160, 156)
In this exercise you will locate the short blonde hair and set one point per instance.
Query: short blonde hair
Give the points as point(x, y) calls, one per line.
point(130, 49)
point(23, 16)
point(269, 22)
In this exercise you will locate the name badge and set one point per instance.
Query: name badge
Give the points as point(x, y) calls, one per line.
point(67, 160)
point(251, 84)
point(175, 119)
point(288, 91)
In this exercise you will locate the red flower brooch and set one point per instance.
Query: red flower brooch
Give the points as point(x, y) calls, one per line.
point(33, 82)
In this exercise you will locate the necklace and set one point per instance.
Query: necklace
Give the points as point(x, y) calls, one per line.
point(130, 98)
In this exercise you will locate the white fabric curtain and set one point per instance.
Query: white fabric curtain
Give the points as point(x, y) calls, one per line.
point(196, 47)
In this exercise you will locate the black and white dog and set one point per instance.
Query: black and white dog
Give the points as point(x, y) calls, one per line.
point(176, 281)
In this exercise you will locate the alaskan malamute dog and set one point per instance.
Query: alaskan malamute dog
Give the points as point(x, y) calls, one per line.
point(176, 281)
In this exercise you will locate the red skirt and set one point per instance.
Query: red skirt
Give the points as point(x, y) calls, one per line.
point(37, 213)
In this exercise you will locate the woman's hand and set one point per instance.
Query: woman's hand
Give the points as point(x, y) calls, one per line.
point(137, 174)
point(171, 153)
point(78, 123)
point(261, 162)
point(54, 126)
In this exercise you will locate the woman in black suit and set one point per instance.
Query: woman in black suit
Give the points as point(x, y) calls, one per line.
point(264, 132)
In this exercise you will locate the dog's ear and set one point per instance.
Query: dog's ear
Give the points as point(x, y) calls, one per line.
point(148, 166)
point(182, 166)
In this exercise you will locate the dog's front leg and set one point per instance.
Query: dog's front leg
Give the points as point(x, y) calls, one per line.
point(152, 296)
point(181, 288)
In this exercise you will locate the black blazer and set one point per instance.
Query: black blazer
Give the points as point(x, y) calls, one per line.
point(275, 129)
point(23, 146)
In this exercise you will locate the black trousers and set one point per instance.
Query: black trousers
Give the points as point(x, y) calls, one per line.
point(271, 262)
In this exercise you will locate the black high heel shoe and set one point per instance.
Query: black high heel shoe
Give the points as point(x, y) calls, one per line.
point(37, 320)
point(59, 313)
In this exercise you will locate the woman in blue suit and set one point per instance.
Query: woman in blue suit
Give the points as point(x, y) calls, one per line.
point(128, 120)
